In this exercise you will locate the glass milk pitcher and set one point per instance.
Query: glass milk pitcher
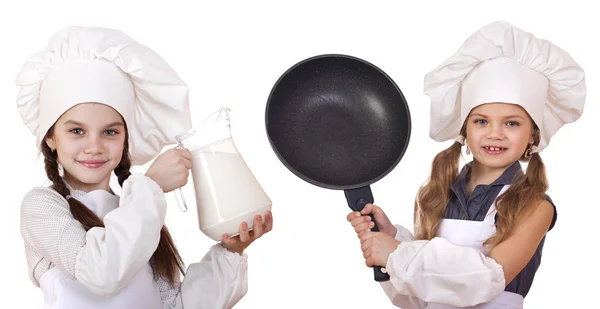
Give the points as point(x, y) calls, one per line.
point(227, 193)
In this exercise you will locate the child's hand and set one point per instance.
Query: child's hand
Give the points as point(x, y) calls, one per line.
point(238, 243)
point(377, 247)
point(171, 169)
point(362, 221)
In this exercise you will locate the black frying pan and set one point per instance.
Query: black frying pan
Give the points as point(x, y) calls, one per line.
point(339, 122)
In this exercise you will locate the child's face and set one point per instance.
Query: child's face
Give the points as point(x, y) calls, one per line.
point(89, 140)
point(498, 133)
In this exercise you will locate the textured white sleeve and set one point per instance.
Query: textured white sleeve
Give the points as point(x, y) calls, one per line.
point(218, 281)
point(401, 300)
point(106, 259)
point(438, 271)
point(50, 231)
point(168, 293)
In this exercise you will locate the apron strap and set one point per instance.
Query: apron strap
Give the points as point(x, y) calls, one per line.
point(490, 217)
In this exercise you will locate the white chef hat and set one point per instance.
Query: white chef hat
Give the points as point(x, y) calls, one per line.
point(91, 64)
point(502, 63)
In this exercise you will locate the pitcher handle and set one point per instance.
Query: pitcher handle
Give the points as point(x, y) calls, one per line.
point(219, 113)
point(179, 197)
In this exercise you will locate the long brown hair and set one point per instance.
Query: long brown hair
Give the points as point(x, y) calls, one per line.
point(516, 202)
point(165, 261)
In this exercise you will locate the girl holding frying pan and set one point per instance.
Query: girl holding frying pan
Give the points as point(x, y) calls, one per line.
point(479, 233)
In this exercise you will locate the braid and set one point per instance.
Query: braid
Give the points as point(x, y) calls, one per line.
point(123, 169)
point(166, 261)
point(51, 166)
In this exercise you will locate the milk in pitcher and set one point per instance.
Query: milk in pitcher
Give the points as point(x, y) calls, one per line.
point(226, 191)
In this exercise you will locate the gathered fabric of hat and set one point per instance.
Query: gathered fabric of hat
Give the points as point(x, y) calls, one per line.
point(502, 96)
point(98, 102)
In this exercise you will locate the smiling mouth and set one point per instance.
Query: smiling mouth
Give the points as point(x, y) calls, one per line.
point(92, 163)
point(493, 150)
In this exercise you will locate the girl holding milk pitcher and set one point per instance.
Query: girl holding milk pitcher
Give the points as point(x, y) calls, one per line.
point(98, 102)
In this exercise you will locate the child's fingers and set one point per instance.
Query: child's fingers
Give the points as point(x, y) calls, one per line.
point(244, 235)
point(352, 215)
point(258, 227)
point(268, 225)
point(364, 226)
point(359, 220)
point(226, 240)
point(367, 209)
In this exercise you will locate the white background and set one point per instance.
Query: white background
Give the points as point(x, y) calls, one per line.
point(232, 54)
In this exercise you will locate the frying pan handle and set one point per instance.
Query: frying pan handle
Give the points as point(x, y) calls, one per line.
point(357, 200)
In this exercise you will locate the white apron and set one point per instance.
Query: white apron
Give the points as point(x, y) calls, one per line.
point(473, 234)
point(62, 292)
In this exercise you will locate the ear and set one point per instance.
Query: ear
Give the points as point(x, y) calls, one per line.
point(51, 143)
point(531, 140)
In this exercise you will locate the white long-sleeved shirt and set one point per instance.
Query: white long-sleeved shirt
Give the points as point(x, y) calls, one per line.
point(105, 260)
